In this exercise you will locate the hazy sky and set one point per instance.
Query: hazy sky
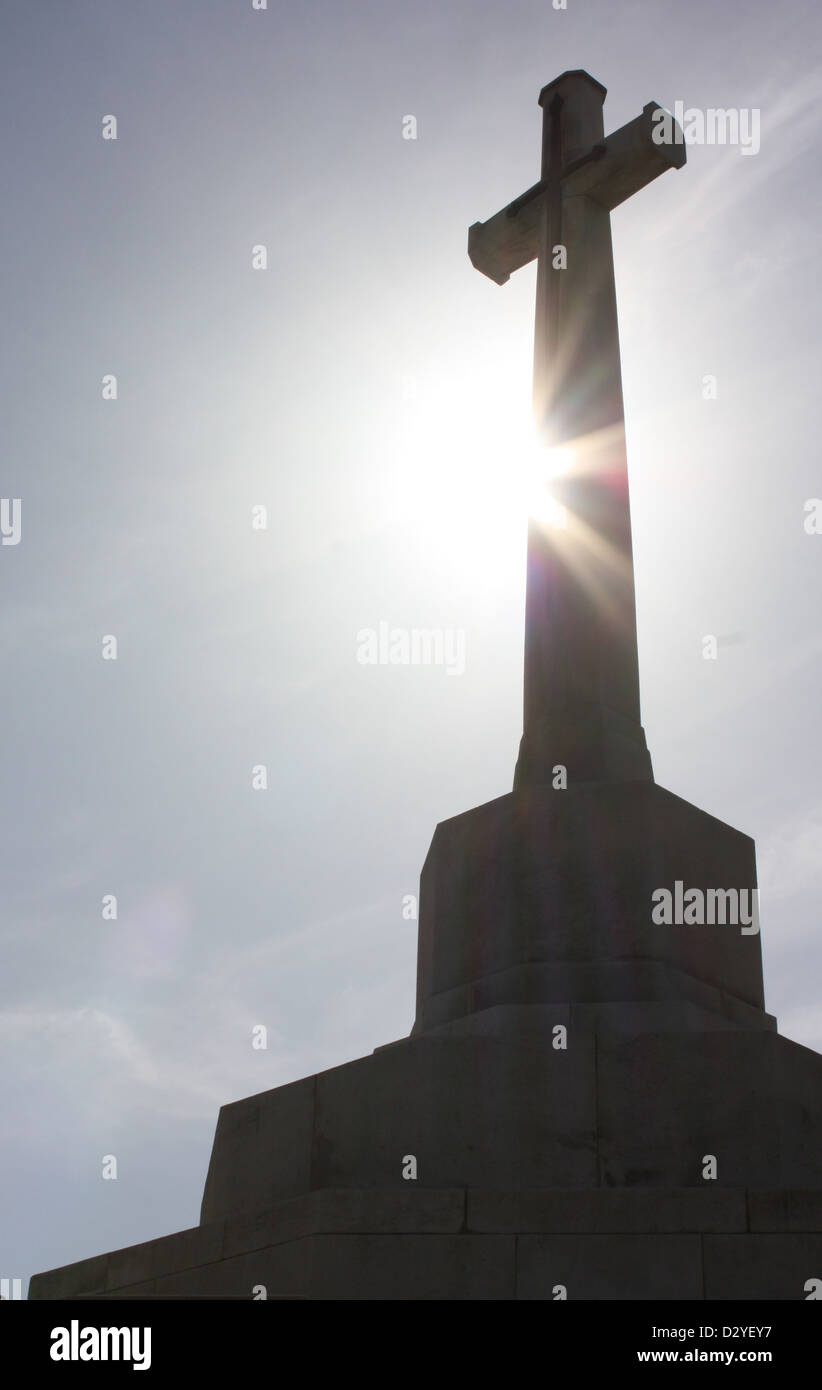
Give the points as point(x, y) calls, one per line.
point(369, 388)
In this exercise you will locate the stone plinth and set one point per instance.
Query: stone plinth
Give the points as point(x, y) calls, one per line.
point(481, 1112)
point(545, 897)
point(572, 1068)
point(414, 1244)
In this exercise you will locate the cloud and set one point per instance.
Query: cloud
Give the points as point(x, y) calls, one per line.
point(789, 860)
point(803, 1025)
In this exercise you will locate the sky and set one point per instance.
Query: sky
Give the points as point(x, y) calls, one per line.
point(370, 390)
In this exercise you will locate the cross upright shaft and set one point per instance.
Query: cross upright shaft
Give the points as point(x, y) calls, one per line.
point(581, 687)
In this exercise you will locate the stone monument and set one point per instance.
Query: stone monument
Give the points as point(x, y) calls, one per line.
point(593, 1102)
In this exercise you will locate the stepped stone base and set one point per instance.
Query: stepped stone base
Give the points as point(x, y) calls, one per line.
point(619, 1110)
point(673, 1243)
point(535, 1168)
point(573, 1073)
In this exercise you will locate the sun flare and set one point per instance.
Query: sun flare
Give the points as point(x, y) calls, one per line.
point(546, 464)
point(469, 471)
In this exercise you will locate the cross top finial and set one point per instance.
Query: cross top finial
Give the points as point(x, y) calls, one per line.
point(571, 75)
point(573, 120)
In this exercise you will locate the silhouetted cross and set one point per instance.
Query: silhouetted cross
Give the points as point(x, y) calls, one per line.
point(581, 696)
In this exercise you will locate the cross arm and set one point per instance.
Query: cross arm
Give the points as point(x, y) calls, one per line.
point(611, 172)
point(509, 239)
point(629, 159)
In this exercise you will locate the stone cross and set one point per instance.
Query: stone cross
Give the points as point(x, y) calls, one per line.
point(581, 689)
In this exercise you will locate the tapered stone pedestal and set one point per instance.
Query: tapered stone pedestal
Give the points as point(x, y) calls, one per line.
point(544, 897)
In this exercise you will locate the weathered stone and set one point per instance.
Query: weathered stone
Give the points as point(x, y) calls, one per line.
point(414, 1267)
point(761, 1266)
point(785, 1210)
point(147, 1289)
point(534, 1025)
point(284, 1271)
point(83, 1279)
point(262, 1151)
point(607, 1210)
point(167, 1255)
point(531, 897)
point(752, 1099)
point(472, 1111)
point(345, 1210)
point(610, 1266)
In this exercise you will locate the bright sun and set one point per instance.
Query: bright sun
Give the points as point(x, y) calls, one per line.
point(545, 465)
point(470, 469)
